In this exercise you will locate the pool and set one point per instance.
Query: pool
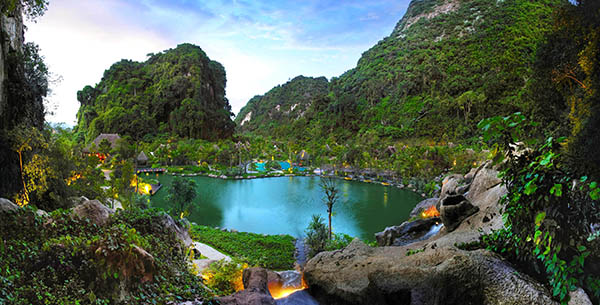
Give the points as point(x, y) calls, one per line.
point(284, 205)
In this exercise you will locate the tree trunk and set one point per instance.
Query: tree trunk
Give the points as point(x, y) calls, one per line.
point(329, 225)
point(23, 178)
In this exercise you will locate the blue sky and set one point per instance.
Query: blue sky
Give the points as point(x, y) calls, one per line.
point(260, 43)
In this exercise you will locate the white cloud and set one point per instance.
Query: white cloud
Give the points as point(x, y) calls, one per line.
point(259, 48)
point(79, 48)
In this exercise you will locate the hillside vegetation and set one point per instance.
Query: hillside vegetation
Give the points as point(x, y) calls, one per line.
point(178, 91)
point(447, 65)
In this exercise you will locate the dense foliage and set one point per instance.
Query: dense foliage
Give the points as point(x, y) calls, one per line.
point(566, 86)
point(317, 237)
point(446, 66)
point(181, 194)
point(63, 260)
point(550, 216)
point(25, 88)
point(179, 91)
point(275, 252)
point(276, 112)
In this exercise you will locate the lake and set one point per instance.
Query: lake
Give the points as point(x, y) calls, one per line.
point(284, 205)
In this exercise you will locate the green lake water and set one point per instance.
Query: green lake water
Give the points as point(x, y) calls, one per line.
point(285, 205)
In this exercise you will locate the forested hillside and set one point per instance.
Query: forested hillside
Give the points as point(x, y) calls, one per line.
point(447, 65)
point(282, 105)
point(178, 91)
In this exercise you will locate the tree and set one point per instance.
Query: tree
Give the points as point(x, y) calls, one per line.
point(331, 196)
point(104, 147)
point(181, 194)
point(31, 8)
point(316, 236)
point(25, 139)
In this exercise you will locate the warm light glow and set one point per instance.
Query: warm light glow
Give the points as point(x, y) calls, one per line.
point(284, 292)
point(278, 292)
point(430, 212)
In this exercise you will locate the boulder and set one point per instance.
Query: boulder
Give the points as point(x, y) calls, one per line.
point(454, 209)
point(42, 213)
point(421, 206)
point(247, 297)
point(405, 233)
point(484, 180)
point(579, 297)
point(75, 201)
point(6, 206)
point(300, 297)
point(359, 274)
point(256, 291)
point(181, 230)
point(93, 210)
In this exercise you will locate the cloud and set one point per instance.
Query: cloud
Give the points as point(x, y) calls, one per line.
point(260, 43)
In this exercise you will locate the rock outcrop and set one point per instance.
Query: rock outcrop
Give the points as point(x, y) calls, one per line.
point(256, 291)
point(6, 206)
point(93, 210)
point(454, 209)
point(360, 274)
point(406, 233)
point(181, 230)
point(422, 206)
point(434, 270)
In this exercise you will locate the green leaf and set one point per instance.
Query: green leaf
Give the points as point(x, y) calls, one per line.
point(556, 290)
point(595, 194)
point(539, 218)
point(547, 159)
point(556, 190)
point(530, 187)
point(581, 248)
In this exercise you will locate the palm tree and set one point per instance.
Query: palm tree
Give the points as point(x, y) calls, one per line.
point(331, 196)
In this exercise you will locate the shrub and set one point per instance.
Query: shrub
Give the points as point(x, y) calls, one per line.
point(225, 277)
point(548, 213)
point(62, 260)
point(316, 236)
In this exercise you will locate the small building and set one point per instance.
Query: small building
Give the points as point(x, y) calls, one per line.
point(303, 158)
point(142, 159)
point(112, 138)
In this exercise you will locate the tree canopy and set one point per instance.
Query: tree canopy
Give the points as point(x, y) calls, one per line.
point(178, 91)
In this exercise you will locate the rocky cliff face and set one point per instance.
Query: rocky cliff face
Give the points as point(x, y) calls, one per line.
point(11, 40)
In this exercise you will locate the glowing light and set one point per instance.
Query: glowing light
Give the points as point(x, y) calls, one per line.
point(430, 212)
point(278, 291)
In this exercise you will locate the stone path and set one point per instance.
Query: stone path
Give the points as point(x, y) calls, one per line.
point(211, 254)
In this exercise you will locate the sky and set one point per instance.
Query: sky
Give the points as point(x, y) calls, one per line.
point(261, 44)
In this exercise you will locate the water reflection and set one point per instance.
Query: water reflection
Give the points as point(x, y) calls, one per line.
point(285, 205)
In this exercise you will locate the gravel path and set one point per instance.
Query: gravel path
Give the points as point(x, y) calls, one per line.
point(211, 254)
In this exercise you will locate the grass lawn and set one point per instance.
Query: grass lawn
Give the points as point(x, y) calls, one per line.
point(275, 252)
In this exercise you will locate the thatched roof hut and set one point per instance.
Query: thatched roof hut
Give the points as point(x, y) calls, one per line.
point(112, 138)
point(142, 158)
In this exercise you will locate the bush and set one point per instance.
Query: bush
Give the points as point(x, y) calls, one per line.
point(316, 236)
point(62, 260)
point(274, 165)
point(225, 278)
point(549, 215)
point(274, 252)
